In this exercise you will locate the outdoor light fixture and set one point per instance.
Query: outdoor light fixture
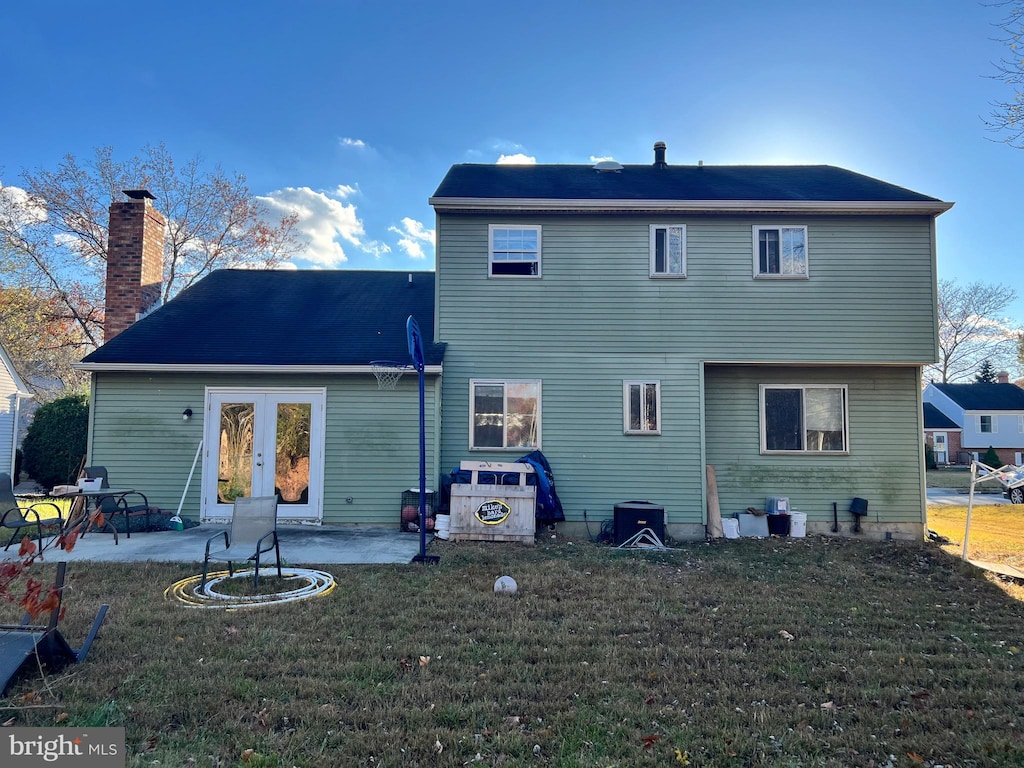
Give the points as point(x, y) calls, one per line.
point(186, 414)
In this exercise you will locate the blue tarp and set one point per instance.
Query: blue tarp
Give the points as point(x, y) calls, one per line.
point(549, 508)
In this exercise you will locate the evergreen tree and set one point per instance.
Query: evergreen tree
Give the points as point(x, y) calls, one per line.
point(986, 373)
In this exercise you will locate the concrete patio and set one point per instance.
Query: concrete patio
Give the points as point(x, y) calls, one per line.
point(300, 545)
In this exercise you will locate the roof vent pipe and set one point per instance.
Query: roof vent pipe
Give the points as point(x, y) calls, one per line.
point(659, 155)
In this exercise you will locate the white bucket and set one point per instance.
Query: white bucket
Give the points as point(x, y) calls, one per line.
point(798, 524)
point(731, 527)
point(442, 525)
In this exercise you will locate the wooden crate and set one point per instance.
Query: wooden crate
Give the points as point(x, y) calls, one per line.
point(485, 512)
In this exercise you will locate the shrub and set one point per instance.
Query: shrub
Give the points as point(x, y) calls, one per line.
point(55, 443)
point(929, 457)
point(992, 458)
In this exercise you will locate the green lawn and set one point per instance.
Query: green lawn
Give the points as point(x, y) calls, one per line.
point(960, 479)
point(779, 652)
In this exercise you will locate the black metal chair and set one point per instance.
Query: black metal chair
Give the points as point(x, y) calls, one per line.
point(253, 532)
point(17, 518)
point(117, 504)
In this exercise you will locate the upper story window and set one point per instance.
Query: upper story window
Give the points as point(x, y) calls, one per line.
point(641, 409)
point(780, 252)
point(668, 250)
point(514, 251)
point(803, 418)
point(986, 423)
point(504, 414)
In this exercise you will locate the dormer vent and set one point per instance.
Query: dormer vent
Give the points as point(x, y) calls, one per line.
point(607, 166)
point(659, 155)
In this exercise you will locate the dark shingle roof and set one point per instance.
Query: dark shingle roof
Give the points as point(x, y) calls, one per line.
point(984, 397)
point(280, 317)
point(675, 182)
point(936, 419)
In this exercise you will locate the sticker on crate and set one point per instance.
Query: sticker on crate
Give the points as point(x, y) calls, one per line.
point(493, 512)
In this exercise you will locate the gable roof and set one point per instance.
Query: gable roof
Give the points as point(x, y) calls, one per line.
point(471, 186)
point(260, 319)
point(16, 380)
point(984, 397)
point(936, 419)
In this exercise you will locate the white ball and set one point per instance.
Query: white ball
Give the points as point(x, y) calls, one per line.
point(505, 585)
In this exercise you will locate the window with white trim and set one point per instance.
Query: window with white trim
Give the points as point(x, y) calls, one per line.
point(668, 250)
point(504, 414)
point(986, 424)
point(804, 418)
point(641, 407)
point(1020, 424)
point(780, 251)
point(514, 251)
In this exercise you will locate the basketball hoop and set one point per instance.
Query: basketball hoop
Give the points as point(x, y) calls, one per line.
point(388, 372)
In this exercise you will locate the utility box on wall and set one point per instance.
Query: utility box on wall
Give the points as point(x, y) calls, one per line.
point(496, 505)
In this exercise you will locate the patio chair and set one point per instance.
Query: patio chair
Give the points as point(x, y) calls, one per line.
point(117, 504)
point(18, 643)
point(253, 532)
point(17, 518)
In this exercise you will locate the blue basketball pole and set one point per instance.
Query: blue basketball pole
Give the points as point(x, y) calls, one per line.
point(415, 340)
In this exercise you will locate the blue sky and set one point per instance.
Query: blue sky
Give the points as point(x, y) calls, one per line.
point(353, 111)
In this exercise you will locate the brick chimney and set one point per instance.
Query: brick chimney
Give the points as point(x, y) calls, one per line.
point(135, 261)
point(1003, 377)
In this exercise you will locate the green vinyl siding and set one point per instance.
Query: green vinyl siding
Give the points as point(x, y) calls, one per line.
point(371, 449)
point(868, 275)
point(596, 318)
point(594, 463)
point(883, 464)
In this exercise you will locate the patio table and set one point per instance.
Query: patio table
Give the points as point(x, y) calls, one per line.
point(97, 496)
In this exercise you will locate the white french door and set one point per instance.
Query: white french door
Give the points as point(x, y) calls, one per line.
point(264, 442)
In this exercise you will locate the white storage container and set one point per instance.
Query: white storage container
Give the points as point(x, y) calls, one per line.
point(798, 524)
point(731, 527)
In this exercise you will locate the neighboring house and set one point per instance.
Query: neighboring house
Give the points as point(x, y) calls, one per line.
point(942, 434)
point(12, 392)
point(638, 323)
point(988, 415)
point(270, 369)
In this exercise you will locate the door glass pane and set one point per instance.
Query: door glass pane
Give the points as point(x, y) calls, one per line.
point(234, 476)
point(291, 474)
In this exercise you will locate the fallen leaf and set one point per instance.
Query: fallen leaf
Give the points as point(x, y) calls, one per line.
point(150, 745)
point(8, 723)
point(247, 755)
point(424, 660)
point(915, 758)
point(786, 635)
point(30, 696)
point(829, 706)
point(438, 746)
point(61, 717)
point(650, 741)
point(682, 757)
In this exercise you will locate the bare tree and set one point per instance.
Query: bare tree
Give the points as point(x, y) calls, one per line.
point(53, 228)
point(972, 329)
point(1007, 117)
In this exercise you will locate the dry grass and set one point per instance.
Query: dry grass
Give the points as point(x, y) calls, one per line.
point(779, 652)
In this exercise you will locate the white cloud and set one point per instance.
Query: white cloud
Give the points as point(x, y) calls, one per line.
point(517, 159)
point(357, 143)
point(19, 209)
point(412, 235)
point(344, 190)
point(596, 159)
point(321, 221)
